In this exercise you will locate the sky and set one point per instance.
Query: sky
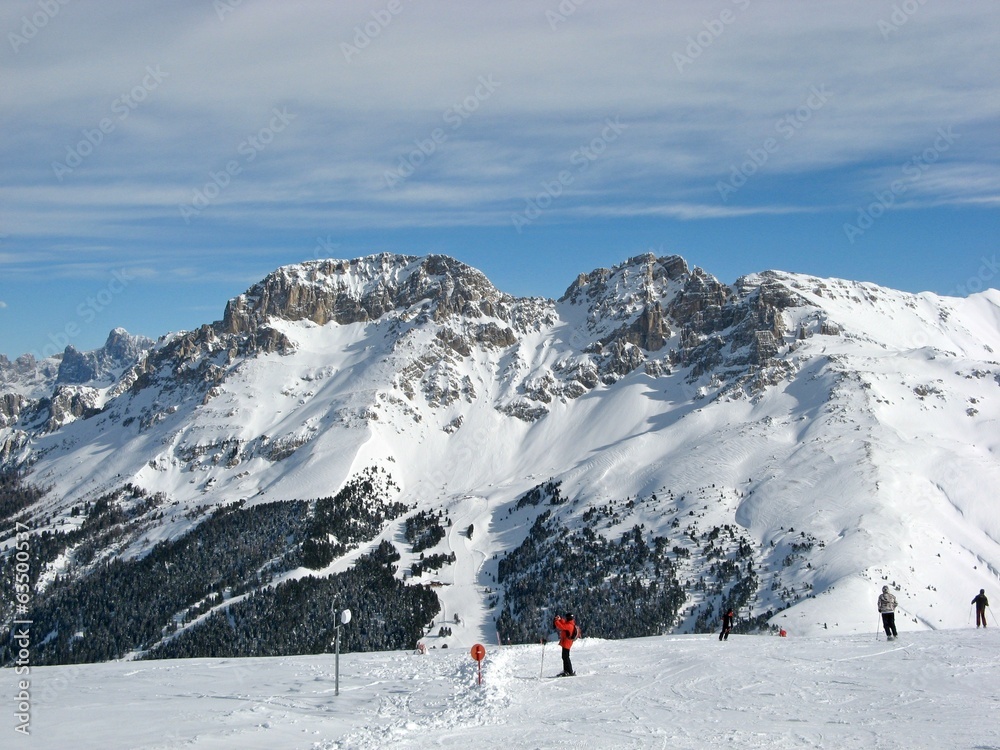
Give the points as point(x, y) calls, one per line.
point(159, 158)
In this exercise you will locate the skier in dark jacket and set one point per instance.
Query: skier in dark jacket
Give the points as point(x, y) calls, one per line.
point(981, 603)
point(727, 624)
point(887, 608)
point(568, 632)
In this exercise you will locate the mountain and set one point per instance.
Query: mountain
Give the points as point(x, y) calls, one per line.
point(393, 433)
point(41, 396)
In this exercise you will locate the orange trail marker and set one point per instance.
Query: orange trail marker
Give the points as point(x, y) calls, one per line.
point(479, 653)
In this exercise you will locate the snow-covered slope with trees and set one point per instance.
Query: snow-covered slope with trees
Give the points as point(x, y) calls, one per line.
point(654, 439)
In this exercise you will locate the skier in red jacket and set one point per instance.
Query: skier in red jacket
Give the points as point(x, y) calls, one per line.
point(568, 632)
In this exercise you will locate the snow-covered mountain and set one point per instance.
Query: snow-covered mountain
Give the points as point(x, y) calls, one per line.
point(653, 441)
point(60, 389)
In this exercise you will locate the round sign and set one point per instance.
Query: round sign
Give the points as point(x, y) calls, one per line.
point(345, 616)
point(478, 652)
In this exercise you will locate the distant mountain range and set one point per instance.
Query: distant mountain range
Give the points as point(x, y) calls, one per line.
point(395, 432)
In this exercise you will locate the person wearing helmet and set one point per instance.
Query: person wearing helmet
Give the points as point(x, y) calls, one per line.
point(887, 608)
point(568, 632)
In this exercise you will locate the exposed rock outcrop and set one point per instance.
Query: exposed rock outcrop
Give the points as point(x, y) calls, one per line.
point(71, 402)
point(366, 289)
point(11, 405)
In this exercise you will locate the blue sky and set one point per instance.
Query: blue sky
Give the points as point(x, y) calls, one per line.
point(159, 158)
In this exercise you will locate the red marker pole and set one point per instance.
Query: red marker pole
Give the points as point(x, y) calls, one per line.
point(479, 653)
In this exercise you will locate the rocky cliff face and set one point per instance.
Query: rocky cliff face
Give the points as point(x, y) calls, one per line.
point(11, 405)
point(69, 403)
point(630, 295)
point(359, 291)
point(660, 315)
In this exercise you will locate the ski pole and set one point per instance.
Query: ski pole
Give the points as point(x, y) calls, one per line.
point(541, 669)
point(992, 615)
point(970, 615)
point(877, 626)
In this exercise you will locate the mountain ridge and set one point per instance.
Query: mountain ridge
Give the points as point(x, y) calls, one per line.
point(761, 443)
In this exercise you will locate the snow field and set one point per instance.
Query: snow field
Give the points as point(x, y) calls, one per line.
point(929, 689)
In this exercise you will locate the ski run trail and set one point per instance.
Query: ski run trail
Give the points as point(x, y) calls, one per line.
point(928, 689)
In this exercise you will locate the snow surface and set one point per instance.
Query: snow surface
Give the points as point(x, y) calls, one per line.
point(929, 689)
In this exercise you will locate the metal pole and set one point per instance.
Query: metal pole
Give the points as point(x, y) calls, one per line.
point(336, 665)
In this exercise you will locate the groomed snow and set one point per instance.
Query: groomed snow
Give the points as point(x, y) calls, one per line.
point(929, 689)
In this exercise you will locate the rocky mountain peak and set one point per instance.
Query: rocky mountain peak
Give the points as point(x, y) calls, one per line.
point(637, 277)
point(120, 351)
point(366, 289)
point(628, 303)
point(27, 375)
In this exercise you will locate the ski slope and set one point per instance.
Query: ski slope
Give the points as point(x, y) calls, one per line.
point(929, 689)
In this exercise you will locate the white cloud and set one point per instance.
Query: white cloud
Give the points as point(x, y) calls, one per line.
point(687, 122)
point(689, 211)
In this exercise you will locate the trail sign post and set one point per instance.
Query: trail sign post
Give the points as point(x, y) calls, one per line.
point(479, 653)
point(343, 619)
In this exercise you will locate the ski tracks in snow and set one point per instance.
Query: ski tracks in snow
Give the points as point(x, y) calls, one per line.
point(461, 705)
point(466, 596)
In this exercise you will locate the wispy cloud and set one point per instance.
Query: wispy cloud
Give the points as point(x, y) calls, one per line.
point(701, 92)
point(691, 211)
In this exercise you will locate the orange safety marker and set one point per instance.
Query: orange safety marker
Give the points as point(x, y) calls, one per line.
point(479, 653)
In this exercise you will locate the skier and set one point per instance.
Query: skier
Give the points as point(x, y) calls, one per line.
point(981, 603)
point(568, 632)
point(727, 624)
point(887, 608)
